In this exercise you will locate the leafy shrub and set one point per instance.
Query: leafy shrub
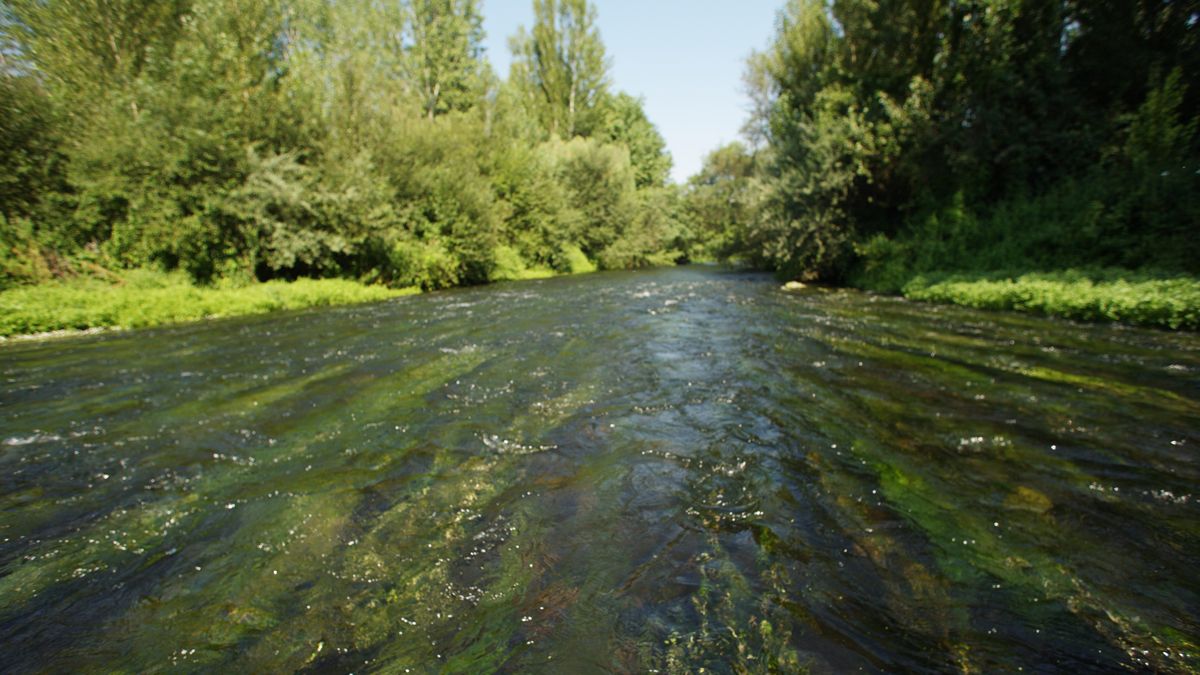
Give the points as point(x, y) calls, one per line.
point(655, 236)
point(572, 260)
point(22, 259)
point(427, 265)
point(1146, 299)
point(600, 185)
point(510, 266)
point(538, 219)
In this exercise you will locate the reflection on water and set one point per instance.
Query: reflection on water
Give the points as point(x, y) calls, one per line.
point(658, 471)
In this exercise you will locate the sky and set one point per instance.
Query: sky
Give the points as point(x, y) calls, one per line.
point(684, 58)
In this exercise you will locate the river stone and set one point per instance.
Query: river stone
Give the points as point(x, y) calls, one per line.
point(794, 286)
point(1028, 499)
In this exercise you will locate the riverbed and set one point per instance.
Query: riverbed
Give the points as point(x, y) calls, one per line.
point(662, 471)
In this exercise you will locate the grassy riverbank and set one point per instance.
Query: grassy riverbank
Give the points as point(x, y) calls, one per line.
point(1140, 298)
point(143, 298)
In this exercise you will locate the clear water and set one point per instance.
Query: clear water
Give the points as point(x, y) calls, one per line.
point(657, 471)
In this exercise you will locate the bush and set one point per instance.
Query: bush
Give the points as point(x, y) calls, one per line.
point(599, 181)
point(572, 260)
point(654, 237)
point(22, 258)
point(427, 265)
point(1146, 299)
point(510, 266)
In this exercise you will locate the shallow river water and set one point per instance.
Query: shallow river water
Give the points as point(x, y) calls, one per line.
point(630, 472)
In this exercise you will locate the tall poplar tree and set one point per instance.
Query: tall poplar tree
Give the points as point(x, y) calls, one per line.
point(563, 66)
point(87, 50)
point(445, 54)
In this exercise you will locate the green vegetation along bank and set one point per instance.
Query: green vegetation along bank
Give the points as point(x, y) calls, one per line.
point(143, 298)
point(1162, 301)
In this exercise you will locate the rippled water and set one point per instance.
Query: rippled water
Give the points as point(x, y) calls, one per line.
point(664, 471)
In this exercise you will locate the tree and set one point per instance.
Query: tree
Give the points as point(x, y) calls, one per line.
point(723, 200)
point(600, 187)
point(29, 166)
point(89, 49)
point(444, 54)
point(626, 124)
point(562, 66)
point(760, 88)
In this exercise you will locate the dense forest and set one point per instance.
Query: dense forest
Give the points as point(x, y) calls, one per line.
point(374, 141)
point(891, 138)
point(309, 138)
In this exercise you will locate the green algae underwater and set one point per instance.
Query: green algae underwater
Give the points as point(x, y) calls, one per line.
point(668, 471)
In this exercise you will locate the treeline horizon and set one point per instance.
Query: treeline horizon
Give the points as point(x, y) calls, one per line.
point(310, 138)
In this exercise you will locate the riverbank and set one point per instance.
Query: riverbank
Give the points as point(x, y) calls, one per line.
point(143, 298)
point(1138, 298)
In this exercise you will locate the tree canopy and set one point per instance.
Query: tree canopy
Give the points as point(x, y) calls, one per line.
point(894, 137)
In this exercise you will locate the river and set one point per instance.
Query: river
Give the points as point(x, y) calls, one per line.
point(621, 472)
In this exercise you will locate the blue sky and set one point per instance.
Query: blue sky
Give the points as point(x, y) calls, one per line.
point(683, 57)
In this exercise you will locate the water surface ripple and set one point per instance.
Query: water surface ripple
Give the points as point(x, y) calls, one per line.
point(657, 471)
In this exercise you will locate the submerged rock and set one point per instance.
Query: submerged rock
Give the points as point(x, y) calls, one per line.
point(1028, 499)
